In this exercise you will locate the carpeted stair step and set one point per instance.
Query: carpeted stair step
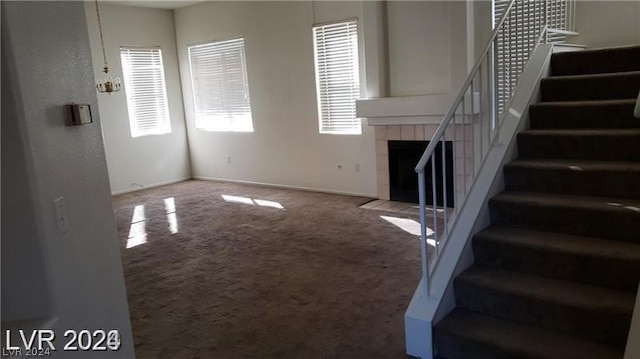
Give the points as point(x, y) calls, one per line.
point(467, 335)
point(601, 144)
point(596, 178)
point(595, 261)
point(611, 86)
point(619, 59)
point(583, 114)
point(569, 307)
point(608, 218)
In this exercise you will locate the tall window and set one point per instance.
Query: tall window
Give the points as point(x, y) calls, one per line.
point(220, 86)
point(146, 90)
point(337, 76)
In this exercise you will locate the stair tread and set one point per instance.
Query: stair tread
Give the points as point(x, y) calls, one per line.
point(592, 76)
point(575, 165)
point(581, 245)
point(585, 132)
point(583, 103)
point(596, 61)
point(521, 340)
point(564, 200)
point(602, 50)
point(564, 292)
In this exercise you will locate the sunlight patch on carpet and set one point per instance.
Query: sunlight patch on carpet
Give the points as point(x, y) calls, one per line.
point(138, 229)
point(410, 226)
point(246, 200)
point(631, 208)
point(170, 209)
point(272, 204)
point(237, 199)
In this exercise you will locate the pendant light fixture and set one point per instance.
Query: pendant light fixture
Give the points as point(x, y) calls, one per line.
point(108, 83)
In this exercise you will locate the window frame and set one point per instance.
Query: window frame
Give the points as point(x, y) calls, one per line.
point(325, 125)
point(234, 124)
point(136, 125)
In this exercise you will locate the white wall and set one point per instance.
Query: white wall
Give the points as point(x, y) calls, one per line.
point(21, 239)
point(419, 47)
point(285, 148)
point(51, 66)
point(608, 23)
point(147, 160)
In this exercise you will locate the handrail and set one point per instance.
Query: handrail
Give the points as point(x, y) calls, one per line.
point(447, 117)
point(481, 104)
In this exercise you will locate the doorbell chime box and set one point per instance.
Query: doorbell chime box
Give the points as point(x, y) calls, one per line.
point(77, 114)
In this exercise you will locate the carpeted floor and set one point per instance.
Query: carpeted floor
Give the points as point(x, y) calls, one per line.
point(242, 278)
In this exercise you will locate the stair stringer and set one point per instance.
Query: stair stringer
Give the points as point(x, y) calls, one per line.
point(456, 255)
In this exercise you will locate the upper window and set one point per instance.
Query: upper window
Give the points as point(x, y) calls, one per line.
point(337, 76)
point(146, 90)
point(220, 86)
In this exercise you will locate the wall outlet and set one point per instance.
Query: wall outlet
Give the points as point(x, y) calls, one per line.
point(228, 159)
point(61, 215)
point(357, 167)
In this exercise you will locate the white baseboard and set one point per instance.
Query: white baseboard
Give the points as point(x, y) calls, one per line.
point(276, 185)
point(152, 185)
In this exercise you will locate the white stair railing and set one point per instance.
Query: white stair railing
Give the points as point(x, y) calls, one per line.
point(470, 127)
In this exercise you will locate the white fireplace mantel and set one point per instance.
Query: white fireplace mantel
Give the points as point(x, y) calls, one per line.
point(406, 110)
point(411, 110)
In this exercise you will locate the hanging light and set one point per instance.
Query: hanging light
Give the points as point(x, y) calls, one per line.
point(108, 83)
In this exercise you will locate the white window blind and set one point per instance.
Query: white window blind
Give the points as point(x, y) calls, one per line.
point(220, 86)
point(145, 89)
point(337, 76)
point(520, 33)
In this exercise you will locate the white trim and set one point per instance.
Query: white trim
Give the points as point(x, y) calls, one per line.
point(407, 120)
point(152, 185)
point(633, 344)
point(283, 186)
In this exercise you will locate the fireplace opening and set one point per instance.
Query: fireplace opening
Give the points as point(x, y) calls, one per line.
point(403, 179)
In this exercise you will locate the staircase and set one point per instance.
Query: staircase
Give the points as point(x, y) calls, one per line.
point(556, 273)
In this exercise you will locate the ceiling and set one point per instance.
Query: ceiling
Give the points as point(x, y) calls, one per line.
point(157, 4)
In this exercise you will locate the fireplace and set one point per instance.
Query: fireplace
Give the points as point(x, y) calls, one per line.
point(403, 180)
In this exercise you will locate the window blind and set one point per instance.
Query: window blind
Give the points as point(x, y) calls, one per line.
point(522, 29)
point(145, 90)
point(220, 86)
point(337, 77)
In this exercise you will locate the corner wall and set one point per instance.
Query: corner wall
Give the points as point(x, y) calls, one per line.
point(607, 23)
point(148, 160)
point(51, 66)
point(285, 147)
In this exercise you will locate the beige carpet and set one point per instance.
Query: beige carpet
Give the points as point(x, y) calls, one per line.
point(242, 278)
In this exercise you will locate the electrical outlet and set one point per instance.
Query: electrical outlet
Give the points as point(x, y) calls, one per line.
point(357, 167)
point(61, 215)
point(228, 159)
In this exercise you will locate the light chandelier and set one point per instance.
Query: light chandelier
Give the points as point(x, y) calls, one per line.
point(108, 83)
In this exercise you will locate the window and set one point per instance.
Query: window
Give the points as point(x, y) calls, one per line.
point(220, 86)
point(337, 76)
point(146, 91)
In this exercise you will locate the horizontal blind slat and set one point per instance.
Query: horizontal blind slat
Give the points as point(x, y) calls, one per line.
point(145, 90)
point(220, 86)
point(337, 76)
